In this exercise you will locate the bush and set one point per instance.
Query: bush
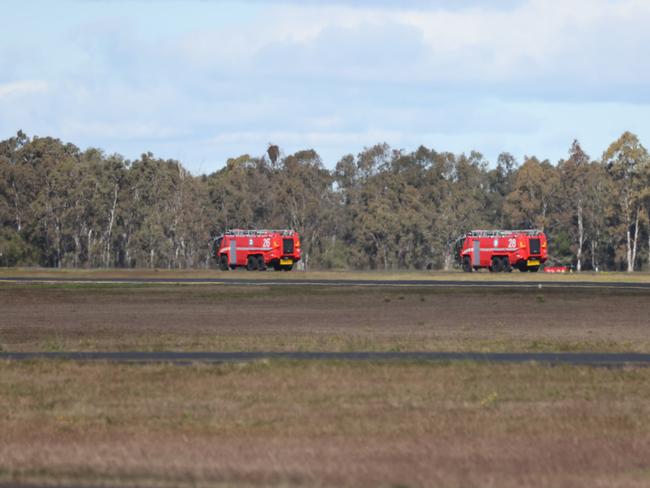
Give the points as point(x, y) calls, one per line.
point(14, 251)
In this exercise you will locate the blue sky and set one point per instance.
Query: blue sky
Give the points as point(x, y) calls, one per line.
point(202, 81)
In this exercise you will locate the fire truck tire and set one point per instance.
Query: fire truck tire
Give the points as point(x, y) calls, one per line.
point(497, 264)
point(260, 263)
point(506, 265)
point(223, 262)
point(276, 266)
point(467, 265)
point(287, 268)
point(534, 269)
point(251, 264)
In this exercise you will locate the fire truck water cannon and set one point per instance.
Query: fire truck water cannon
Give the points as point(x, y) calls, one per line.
point(501, 250)
point(257, 249)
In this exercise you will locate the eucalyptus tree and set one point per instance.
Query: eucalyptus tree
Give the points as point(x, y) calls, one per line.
point(645, 198)
point(303, 200)
point(54, 167)
point(363, 206)
point(627, 162)
point(239, 194)
point(573, 173)
point(461, 200)
point(407, 178)
point(533, 200)
point(600, 215)
point(500, 181)
point(192, 248)
point(15, 180)
point(385, 223)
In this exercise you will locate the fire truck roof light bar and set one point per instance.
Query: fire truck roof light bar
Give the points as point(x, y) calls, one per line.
point(259, 232)
point(503, 233)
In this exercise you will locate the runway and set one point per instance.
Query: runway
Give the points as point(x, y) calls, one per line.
point(336, 282)
point(579, 359)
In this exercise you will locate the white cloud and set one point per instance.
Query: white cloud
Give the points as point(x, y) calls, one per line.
point(589, 48)
point(539, 38)
point(525, 77)
point(25, 87)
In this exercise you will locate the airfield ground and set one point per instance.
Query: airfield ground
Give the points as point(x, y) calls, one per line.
point(283, 423)
point(114, 317)
point(328, 424)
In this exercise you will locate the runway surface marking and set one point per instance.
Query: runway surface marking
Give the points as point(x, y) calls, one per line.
point(579, 358)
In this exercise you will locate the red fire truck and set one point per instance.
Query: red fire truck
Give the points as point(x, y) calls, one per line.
point(501, 250)
point(257, 249)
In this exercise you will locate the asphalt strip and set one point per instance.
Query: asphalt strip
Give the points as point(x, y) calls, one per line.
point(336, 283)
point(585, 359)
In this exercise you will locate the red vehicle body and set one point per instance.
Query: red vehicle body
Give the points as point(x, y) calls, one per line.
point(556, 269)
point(501, 250)
point(257, 249)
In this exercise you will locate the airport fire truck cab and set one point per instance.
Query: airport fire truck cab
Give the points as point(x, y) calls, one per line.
point(257, 249)
point(501, 250)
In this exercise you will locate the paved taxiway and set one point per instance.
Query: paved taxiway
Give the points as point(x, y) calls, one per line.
point(338, 282)
point(587, 359)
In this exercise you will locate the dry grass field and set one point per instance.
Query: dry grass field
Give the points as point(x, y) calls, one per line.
point(322, 423)
point(228, 318)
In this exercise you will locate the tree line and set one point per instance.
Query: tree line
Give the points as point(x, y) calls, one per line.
point(380, 209)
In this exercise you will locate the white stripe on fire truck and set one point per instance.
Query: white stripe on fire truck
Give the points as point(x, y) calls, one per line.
point(467, 251)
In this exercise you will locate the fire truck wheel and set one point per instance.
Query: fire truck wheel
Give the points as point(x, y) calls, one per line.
point(287, 268)
point(260, 263)
point(467, 264)
point(497, 264)
point(251, 265)
point(506, 265)
point(276, 266)
point(534, 269)
point(223, 263)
